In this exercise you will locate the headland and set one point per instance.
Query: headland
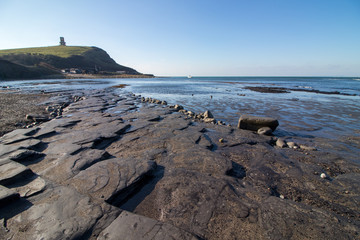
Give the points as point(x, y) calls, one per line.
point(61, 62)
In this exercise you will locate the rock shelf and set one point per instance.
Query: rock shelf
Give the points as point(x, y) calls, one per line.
point(71, 177)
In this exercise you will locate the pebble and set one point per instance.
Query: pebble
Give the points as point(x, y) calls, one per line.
point(281, 143)
point(307, 148)
point(221, 140)
point(264, 131)
point(291, 144)
point(323, 176)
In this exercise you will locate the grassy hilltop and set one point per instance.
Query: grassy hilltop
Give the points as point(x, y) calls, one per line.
point(59, 51)
point(47, 62)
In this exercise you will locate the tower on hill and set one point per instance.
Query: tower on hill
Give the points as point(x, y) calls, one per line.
point(62, 41)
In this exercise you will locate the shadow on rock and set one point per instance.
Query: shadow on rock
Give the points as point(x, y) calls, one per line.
point(237, 171)
point(13, 209)
point(139, 192)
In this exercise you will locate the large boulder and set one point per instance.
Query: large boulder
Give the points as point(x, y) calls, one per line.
point(254, 123)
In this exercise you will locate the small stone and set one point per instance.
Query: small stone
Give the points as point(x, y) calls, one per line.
point(163, 103)
point(208, 114)
point(178, 107)
point(264, 131)
point(209, 120)
point(282, 196)
point(281, 143)
point(307, 148)
point(190, 113)
point(221, 140)
point(323, 176)
point(29, 117)
point(49, 109)
point(291, 144)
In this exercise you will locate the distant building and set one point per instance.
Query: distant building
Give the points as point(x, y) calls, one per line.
point(75, 71)
point(62, 41)
point(72, 70)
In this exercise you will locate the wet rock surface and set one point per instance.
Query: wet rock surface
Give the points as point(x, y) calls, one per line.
point(78, 175)
point(287, 90)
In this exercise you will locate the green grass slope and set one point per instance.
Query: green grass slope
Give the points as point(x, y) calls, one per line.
point(59, 51)
point(61, 57)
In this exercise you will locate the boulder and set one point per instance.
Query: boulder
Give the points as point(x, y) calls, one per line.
point(254, 123)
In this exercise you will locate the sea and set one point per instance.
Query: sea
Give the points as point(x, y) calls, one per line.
point(323, 112)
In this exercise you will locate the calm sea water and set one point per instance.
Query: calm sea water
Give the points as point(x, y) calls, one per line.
point(331, 122)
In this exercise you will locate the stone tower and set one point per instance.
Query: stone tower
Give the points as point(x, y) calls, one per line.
point(62, 41)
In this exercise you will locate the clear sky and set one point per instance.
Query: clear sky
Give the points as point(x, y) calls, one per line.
point(198, 37)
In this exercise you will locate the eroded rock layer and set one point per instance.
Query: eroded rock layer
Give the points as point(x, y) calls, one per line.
point(116, 167)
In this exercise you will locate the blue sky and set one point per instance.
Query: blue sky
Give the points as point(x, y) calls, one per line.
point(198, 37)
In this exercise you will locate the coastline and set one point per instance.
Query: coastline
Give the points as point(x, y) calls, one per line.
point(102, 76)
point(164, 168)
point(82, 76)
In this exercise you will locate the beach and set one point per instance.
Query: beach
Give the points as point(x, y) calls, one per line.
point(112, 164)
point(15, 106)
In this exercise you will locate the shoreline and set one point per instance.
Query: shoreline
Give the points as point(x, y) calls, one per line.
point(82, 76)
point(164, 168)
